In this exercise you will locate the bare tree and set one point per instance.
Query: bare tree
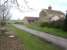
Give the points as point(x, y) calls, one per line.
point(3, 14)
point(4, 11)
point(6, 5)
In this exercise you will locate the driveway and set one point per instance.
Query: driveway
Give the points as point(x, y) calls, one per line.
point(50, 38)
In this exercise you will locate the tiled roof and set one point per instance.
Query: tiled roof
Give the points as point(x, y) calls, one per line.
point(53, 11)
point(31, 18)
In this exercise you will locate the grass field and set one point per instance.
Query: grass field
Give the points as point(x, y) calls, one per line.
point(34, 43)
point(53, 31)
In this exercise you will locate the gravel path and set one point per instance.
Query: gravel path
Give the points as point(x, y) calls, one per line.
point(51, 38)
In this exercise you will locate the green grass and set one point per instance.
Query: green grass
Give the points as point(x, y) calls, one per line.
point(53, 31)
point(34, 43)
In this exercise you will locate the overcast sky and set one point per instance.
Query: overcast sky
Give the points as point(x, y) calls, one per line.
point(37, 5)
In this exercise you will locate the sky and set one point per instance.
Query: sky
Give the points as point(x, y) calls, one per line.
point(37, 5)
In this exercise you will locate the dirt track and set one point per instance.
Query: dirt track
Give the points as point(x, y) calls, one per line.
point(7, 43)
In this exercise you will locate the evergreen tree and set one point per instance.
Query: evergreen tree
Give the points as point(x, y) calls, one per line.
point(65, 23)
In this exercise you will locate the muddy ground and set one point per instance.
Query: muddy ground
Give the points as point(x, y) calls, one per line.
point(10, 42)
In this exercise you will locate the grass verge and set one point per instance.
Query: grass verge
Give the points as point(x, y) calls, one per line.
point(53, 31)
point(32, 42)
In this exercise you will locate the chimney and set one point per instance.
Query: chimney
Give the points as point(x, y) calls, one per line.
point(49, 8)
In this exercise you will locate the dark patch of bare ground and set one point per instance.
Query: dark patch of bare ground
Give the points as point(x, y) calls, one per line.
point(10, 43)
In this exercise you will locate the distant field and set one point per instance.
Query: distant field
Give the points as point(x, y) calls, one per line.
point(32, 42)
point(53, 31)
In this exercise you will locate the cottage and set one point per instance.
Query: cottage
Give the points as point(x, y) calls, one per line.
point(47, 15)
point(29, 20)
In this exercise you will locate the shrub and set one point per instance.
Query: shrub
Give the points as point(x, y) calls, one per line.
point(65, 23)
point(43, 24)
point(54, 24)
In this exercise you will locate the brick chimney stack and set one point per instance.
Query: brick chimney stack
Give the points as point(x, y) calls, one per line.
point(49, 8)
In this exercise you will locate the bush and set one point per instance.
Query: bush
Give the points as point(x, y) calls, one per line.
point(52, 24)
point(19, 23)
point(65, 23)
point(43, 24)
